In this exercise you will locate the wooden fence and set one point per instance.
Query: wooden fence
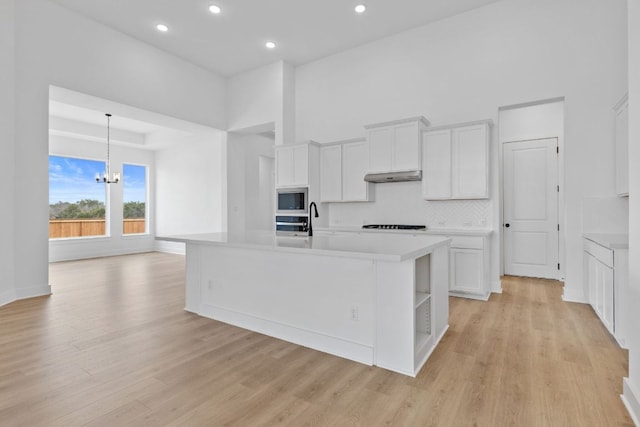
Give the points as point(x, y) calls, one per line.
point(61, 228)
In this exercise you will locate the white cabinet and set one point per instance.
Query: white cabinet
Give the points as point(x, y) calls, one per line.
point(605, 272)
point(355, 165)
point(331, 173)
point(395, 146)
point(293, 164)
point(469, 266)
point(455, 161)
point(622, 146)
point(466, 270)
point(343, 166)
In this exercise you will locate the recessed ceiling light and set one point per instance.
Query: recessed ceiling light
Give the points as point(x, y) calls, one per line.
point(360, 8)
point(162, 27)
point(270, 45)
point(215, 9)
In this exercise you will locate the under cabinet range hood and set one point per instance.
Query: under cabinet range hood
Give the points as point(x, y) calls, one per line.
point(413, 175)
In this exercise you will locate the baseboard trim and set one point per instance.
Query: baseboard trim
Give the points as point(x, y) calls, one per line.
point(631, 399)
point(13, 295)
point(177, 248)
point(496, 287)
point(469, 295)
point(357, 352)
point(7, 297)
point(570, 295)
point(32, 292)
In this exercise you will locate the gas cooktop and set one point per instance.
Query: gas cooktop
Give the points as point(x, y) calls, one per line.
point(394, 227)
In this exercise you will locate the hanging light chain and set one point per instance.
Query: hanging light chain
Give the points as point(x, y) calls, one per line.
point(107, 178)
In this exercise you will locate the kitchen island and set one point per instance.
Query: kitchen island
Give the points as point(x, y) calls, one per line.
point(379, 301)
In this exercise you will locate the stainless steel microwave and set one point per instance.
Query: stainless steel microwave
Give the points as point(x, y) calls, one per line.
point(292, 201)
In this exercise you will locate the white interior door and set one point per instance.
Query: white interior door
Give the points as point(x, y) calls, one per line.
point(531, 208)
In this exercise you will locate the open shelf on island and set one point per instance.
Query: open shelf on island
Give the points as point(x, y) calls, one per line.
point(421, 298)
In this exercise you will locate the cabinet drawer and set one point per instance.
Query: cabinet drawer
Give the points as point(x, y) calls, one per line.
point(466, 242)
point(602, 254)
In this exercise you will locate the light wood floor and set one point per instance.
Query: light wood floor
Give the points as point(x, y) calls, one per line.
point(113, 347)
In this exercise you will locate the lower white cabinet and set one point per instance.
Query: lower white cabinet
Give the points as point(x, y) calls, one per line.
point(466, 270)
point(469, 265)
point(605, 271)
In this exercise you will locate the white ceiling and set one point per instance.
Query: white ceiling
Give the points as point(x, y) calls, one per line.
point(233, 41)
point(77, 115)
point(86, 115)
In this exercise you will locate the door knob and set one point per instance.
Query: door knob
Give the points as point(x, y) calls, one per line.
point(507, 225)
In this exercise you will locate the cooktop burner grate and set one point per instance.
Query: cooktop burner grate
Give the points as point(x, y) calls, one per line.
point(394, 227)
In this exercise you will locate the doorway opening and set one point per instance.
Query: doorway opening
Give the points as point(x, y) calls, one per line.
point(531, 139)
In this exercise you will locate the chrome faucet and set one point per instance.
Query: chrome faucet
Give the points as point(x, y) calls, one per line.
point(315, 208)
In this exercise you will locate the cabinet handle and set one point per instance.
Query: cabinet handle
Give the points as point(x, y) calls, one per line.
point(507, 225)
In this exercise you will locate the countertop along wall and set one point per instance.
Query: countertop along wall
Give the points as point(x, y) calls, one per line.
point(464, 68)
point(57, 47)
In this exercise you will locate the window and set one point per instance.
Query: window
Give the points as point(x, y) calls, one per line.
point(134, 197)
point(76, 202)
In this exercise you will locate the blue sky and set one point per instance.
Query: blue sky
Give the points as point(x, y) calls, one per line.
point(134, 178)
point(71, 180)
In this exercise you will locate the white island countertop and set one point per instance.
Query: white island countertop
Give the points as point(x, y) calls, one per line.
point(365, 246)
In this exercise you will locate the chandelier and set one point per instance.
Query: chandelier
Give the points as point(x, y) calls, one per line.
point(108, 177)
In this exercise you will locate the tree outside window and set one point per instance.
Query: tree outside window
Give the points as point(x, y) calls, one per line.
point(77, 204)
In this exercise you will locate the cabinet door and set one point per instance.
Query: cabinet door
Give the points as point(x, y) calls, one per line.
point(590, 271)
point(355, 164)
point(300, 165)
point(331, 173)
point(605, 277)
point(406, 146)
point(622, 151)
point(380, 149)
point(284, 166)
point(470, 162)
point(436, 164)
point(467, 273)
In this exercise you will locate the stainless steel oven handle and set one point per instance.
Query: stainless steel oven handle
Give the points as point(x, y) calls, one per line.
point(291, 223)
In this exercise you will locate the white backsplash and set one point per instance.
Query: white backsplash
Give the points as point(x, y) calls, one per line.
point(605, 215)
point(402, 203)
point(458, 213)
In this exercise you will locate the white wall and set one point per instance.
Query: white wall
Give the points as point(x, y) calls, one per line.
point(189, 186)
point(263, 99)
point(7, 51)
point(115, 243)
point(466, 67)
point(632, 384)
point(244, 186)
point(57, 47)
point(259, 183)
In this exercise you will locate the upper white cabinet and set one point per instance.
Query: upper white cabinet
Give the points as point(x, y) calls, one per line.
point(331, 173)
point(292, 164)
point(343, 166)
point(455, 161)
point(622, 146)
point(395, 146)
